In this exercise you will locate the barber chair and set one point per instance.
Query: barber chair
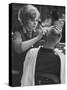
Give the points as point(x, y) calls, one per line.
point(46, 79)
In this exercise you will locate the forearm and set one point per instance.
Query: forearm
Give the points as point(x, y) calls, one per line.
point(29, 43)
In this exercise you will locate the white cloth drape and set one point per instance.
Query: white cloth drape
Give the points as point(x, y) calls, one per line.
point(29, 67)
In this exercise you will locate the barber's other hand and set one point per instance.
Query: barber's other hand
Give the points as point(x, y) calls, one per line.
point(42, 32)
point(59, 25)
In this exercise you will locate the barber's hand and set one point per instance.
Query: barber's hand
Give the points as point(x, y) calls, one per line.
point(42, 31)
point(46, 29)
point(59, 25)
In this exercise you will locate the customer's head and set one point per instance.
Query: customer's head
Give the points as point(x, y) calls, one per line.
point(28, 17)
point(53, 37)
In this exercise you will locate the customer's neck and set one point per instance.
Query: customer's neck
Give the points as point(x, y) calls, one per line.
point(48, 46)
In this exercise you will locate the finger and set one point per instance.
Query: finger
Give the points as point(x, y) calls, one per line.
point(60, 23)
point(44, 32)
point(58, 27)
point(58, 30)
point(41, 27)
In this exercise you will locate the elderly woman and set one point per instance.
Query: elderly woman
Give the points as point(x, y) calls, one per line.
point(45, 65)
point(23, 39)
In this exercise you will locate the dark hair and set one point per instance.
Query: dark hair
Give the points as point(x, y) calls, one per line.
point(54, 15)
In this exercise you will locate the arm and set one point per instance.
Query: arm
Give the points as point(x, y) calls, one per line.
point(21, 46)
point(29, 43)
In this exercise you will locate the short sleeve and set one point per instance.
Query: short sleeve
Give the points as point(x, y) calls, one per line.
point(16, 35)
point(17, 42)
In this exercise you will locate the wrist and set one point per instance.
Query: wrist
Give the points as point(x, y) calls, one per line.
point(39, 37)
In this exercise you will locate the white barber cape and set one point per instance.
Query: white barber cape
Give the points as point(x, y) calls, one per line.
point(28, 77)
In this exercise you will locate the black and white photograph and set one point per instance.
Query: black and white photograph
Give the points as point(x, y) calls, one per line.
point(36, 44)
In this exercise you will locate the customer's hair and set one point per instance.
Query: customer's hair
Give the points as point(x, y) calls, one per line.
point(52, 37)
